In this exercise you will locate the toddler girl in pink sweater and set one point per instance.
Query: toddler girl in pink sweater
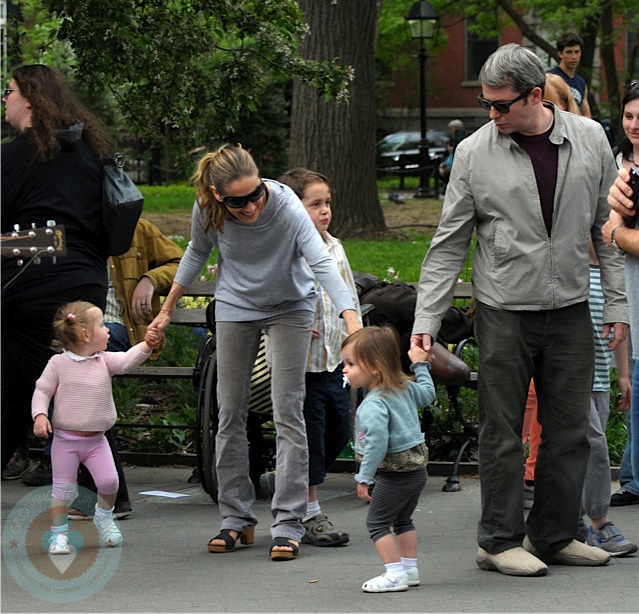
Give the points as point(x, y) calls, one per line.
point(79, 378)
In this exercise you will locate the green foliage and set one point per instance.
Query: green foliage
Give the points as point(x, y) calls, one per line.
point(616, 431)
point(376, 257)
point(193, 65)
point(32, 39)
point(174, 198)
point(162, 402)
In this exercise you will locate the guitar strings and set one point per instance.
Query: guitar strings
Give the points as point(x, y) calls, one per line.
point(24, 268)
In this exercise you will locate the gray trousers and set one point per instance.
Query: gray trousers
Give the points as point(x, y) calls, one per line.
point(237, 344)
point(555, 347)
point(596, 498)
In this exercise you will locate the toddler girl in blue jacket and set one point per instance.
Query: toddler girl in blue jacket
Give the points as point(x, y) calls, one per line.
point(391, 445)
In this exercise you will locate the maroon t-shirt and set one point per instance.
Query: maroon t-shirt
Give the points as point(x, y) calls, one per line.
point(544, 156)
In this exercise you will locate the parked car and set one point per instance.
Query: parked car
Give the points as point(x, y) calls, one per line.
point(399, 151)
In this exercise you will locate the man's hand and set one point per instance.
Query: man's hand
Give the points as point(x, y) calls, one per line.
point(421, 340)
point(141, 300)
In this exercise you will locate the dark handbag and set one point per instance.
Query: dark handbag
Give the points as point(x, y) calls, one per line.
point(121, 205)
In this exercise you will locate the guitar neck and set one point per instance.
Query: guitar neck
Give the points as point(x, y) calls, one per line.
point(48, 241)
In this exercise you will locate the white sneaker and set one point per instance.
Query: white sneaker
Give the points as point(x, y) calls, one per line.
point(59, 543)
point(512, 562)
point(575, 553)
point(108, 530)
point(412, 575)
point(386, 584)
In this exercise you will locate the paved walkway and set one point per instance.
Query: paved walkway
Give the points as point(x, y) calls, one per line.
point(164, 565)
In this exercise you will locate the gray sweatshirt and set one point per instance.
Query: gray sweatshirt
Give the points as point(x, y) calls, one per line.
point(262, 268)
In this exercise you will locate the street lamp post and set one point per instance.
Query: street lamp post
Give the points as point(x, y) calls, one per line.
point(423, 23)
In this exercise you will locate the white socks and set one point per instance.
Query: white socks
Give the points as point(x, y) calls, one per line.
point(312, 509)
point(394, 570)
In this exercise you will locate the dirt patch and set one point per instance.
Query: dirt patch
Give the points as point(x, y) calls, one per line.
point(400, 217)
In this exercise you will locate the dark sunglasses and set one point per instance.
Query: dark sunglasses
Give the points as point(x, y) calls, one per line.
point(500, 107)
point(237, 202)
point(633, 85)
point(8, 90)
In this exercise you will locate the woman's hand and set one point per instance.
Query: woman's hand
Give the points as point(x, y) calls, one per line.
point(160, 323)
point(614, 220)
point(351, 320)
point(620, 193)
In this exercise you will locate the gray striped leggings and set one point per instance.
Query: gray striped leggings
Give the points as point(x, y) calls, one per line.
point(395, 498)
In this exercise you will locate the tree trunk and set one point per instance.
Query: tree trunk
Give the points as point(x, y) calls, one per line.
point(338, 139)
point(610, 67)
point(586, 70)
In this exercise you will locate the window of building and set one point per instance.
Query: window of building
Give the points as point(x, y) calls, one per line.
point(477, 51)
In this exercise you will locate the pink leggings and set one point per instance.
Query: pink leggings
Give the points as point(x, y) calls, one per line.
point(68, 450)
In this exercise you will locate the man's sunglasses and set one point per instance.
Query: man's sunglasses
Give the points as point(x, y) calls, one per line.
point(500, 107)
point(237, 202)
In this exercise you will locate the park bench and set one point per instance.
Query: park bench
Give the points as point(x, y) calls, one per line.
point(196, 317)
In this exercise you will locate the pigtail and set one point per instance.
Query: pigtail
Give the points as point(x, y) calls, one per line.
point(69, 322)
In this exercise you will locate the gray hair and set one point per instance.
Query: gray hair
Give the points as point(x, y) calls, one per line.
point(456, 124)
point(513, 66)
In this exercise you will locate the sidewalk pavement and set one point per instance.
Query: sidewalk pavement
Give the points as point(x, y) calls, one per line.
point(164, 564)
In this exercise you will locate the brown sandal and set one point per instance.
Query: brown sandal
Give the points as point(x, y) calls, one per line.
point(246, 537)
point(284, 555)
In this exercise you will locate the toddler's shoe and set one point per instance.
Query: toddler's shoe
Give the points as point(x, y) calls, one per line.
point(412, 575)
point(386, 584)
point(609, 538)
point(109, 532)
point(59, 540)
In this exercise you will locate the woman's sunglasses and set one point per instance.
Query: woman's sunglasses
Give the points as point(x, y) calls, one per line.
point(237, 202)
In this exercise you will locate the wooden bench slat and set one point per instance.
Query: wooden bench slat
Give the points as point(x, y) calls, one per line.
point(183, 372)
point(189, 317)
point(463, 289)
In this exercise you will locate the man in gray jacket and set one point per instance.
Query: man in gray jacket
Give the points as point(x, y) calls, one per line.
point(533, 184)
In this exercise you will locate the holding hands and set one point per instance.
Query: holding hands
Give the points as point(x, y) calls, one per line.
point(153, 338)
point(419, 354)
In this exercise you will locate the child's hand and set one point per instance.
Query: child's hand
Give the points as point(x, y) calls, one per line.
point(418, 354)
point(362, 492)
point(153, 338)
point(42, 426)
